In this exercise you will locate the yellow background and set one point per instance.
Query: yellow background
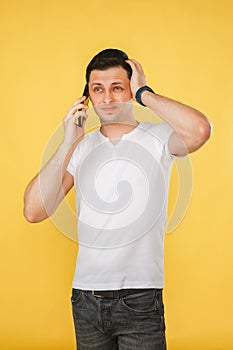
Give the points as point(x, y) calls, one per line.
point(186, 50)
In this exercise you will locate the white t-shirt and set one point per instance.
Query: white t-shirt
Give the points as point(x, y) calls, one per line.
point(121, 203)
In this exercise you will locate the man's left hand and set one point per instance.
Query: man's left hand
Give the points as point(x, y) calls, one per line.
point(138, 78)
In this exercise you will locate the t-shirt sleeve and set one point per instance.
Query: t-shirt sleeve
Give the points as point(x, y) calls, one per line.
point(71, 167)
point(164, 132)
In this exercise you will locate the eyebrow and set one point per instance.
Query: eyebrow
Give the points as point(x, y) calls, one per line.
point(114, 83)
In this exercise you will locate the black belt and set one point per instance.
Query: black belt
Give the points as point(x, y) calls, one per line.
point(118, 293)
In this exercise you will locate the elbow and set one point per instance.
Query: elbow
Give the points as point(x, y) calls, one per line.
point(32, 217)
point(205, 129)
point(200, 136)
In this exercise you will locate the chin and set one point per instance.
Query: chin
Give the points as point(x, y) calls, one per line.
point(109, 120)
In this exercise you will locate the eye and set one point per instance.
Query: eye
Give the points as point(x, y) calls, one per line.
point(117, 88)
point(98, 89)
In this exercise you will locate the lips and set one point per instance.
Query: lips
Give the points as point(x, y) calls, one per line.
point(109, 109)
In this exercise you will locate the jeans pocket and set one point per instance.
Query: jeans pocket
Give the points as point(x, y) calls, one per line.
point(76, 296)
point(142, 303)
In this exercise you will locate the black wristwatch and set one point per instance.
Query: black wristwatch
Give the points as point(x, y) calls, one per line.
point(139, 93)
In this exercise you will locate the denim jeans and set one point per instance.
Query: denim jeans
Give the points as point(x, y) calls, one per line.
point(133, 322)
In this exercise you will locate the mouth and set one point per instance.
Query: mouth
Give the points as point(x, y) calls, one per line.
point(109, 109)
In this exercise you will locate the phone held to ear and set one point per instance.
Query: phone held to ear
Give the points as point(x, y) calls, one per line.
point(79, 121)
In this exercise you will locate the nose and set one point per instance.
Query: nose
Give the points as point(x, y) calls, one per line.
point(108, 96)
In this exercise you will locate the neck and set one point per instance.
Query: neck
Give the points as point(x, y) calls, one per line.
point(116, 130)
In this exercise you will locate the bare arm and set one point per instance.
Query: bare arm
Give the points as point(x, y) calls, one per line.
point(48, 188)
point(191, 128)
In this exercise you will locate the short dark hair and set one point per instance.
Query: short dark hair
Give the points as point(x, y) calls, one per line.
point(106, 59)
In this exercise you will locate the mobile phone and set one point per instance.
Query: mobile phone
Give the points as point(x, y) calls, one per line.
point(85, 93)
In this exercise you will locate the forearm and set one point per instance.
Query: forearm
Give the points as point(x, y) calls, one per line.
point(45, 191)
point(191, 126)
point(48, 188)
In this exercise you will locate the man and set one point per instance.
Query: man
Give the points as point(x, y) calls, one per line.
point(121, 175)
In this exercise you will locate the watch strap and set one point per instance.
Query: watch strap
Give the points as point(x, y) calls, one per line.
point(139, 93)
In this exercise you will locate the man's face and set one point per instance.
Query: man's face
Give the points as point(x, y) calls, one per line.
point(110, 94)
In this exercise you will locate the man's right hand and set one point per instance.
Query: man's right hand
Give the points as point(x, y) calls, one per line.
point(48, 188)
point(72, 132)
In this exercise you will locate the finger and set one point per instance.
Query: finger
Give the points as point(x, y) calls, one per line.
point(80, 114)
point(135, 64)
point(77, 107)
point(75, 110)
point(131, 63)
point(78, 101)
point(83, 117)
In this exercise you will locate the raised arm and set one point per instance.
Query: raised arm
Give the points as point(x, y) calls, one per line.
point(53, 182)
point(191, 128)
